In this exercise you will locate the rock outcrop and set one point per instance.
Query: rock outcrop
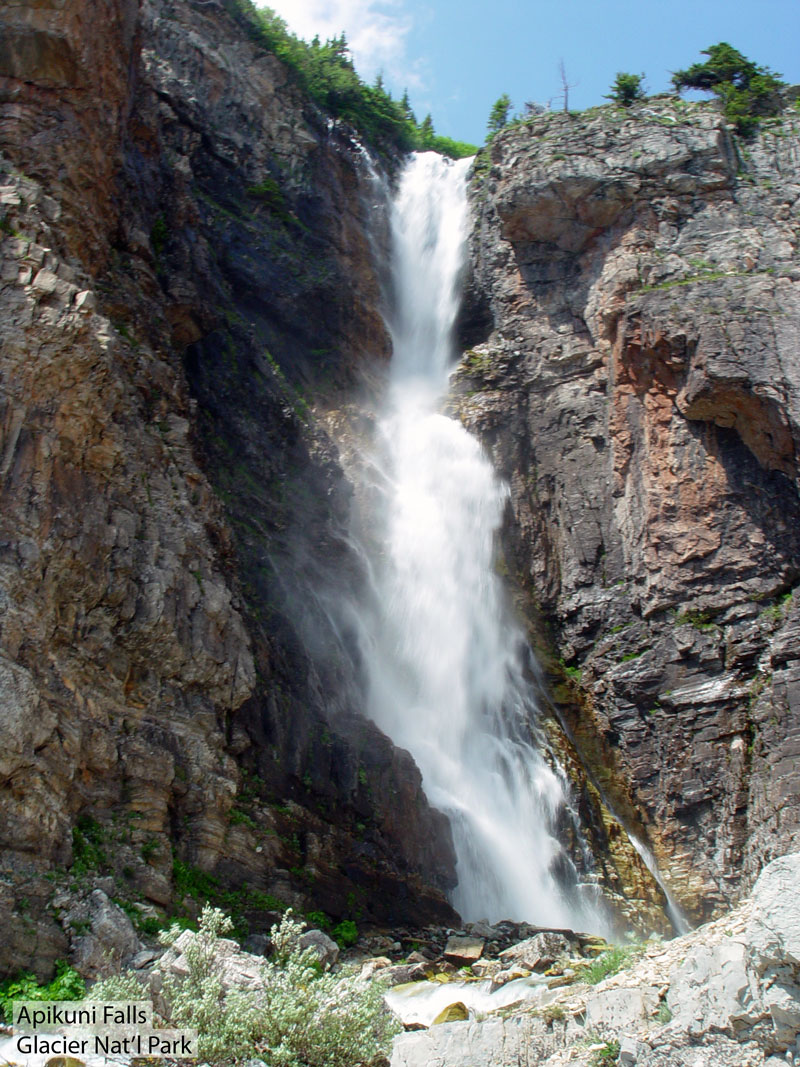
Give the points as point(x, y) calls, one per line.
point(186, 266)
point(727, 993)
point(636, 288)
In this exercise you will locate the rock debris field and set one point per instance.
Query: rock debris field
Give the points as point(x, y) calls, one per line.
point(724, 995)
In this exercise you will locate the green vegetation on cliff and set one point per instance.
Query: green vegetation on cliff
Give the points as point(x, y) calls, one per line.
point(627, 89)
point(66, 985)
point(326, 73)
point(745, 90)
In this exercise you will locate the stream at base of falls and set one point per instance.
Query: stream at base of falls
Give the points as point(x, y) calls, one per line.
point(445, 659)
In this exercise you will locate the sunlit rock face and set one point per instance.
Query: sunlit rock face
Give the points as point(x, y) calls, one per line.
point(636, 283)
point(186, 266)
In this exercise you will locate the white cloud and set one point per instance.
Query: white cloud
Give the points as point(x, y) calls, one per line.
point(376, 32)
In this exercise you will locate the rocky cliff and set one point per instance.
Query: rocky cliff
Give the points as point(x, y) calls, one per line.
point(191, 317)
point(186, 266)
point(636, 290)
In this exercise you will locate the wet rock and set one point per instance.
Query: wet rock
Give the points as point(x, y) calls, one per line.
point(643, 306)
point(486, 968)
point(483, 930)
point(509, 974)
point(453, 1013)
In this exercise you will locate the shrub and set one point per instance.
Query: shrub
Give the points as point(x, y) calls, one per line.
point(345, 933)
point(318, 919)
point(296, 1017)
point(66, 985)
point(606, 1056)
point(610, 962)
point(627, 89)
point(88, 854)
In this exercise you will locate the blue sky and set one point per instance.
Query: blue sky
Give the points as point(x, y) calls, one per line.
point(457, 56)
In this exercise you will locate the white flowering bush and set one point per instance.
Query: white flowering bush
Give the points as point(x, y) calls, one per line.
point(298, 1016)
point(315, 1019)
point(226, 1021)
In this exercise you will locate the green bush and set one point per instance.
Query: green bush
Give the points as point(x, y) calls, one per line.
point(345, 933)
point(606, 1056)
point(745, 90)
point(88, 838)
point(66, 985)
point(610, 962)
point(318, 920)
point(627, 89)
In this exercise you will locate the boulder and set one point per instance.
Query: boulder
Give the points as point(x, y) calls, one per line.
point(537, 953)
point(773, 934)
point(108, 940)
point(237, 969)
point(463, 951)
point(257, 945)
point(453, 1013)
point(486, 968)
point(326, 949)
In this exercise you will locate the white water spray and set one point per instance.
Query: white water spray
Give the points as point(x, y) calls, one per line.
point(445, 668)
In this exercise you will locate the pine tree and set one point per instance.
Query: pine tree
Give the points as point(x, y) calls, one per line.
point(498, 116)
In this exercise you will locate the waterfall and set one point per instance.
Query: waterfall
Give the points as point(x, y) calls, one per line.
point(445, 660)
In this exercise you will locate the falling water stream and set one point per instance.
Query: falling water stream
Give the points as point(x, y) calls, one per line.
point(446, 660)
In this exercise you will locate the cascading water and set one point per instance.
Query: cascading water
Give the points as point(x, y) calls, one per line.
point(446, 680)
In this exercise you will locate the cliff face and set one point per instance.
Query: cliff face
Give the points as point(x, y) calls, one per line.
point(189, 306)
point(185, 267)
point(636, 283)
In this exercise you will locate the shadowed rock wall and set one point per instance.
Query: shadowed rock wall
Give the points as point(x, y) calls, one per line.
point(185, 267)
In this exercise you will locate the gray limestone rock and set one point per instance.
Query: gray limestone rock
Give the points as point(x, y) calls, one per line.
point(773, 934)
point(109, 941)
point(537, 953)
point(621, 1009)
point(324, 947)
point(729, 989)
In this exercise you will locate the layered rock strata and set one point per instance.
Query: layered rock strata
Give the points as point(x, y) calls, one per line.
point(635, 283)
point(185, 266)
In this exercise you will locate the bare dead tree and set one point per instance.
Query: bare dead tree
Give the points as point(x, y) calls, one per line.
point(565, 85)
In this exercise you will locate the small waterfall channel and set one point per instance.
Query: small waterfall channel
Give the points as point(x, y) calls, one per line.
point(445, 658)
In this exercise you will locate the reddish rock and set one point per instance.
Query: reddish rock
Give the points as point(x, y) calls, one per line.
point(639, 290)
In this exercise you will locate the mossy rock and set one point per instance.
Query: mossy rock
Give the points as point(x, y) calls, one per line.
point(453, 1013)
